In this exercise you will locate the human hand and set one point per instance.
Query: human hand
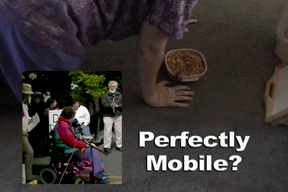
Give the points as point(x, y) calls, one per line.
point(83, 126)
point(82, 150)
point(114, 105)
point(89, 138)
point(165, 96)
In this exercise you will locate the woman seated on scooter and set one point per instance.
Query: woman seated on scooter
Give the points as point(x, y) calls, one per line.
point(84, 152)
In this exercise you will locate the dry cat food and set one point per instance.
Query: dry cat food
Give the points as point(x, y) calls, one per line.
point(185, 63)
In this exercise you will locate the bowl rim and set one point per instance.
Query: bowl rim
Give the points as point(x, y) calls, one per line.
point(185, 49)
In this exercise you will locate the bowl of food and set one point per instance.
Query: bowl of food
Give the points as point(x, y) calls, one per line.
point(185, 64)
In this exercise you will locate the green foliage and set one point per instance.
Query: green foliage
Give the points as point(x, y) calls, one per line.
point(89, 85)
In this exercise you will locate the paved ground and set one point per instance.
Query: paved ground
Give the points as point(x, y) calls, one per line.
point(112, 163)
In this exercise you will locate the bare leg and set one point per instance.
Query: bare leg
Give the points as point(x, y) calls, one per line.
point(28, 155)
point(152, 44)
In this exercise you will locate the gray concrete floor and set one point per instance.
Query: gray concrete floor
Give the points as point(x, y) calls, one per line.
point(238, 40)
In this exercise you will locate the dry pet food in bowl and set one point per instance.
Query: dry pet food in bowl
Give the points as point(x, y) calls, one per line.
point(185, 64)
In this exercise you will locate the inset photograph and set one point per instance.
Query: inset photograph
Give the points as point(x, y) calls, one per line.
point(72, 127)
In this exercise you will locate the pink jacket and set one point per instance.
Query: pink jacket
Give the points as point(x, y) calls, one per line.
point(66, 135)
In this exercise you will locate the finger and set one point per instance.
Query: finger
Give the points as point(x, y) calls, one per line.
point(177, 104)
point(164, 83)
point(183, 98)
point(185, 93)
point(181, 87)
point(191, 21)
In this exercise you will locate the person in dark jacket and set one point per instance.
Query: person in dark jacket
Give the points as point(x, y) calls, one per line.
point(39, 136)
point(112, 114)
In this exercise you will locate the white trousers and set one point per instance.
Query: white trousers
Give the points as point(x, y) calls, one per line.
point(108, 123)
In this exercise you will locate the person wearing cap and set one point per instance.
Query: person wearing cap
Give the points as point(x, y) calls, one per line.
point(26, 147)
point(112, 114)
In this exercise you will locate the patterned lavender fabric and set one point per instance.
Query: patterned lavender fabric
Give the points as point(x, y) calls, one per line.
point(68, 25)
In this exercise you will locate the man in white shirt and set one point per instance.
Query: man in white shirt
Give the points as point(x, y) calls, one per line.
point(83, 117)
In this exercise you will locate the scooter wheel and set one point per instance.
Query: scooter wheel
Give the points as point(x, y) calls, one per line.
point(48, 176)
point(79, 181)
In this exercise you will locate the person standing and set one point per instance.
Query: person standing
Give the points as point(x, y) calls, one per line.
point(83, 117)
point(26, 147)
point(39, 136)
point(112, 114)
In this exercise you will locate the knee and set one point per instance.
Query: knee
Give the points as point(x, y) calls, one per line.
point(31, 152)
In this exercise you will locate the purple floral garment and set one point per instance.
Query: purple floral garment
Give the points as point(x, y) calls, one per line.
point(68, 25)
